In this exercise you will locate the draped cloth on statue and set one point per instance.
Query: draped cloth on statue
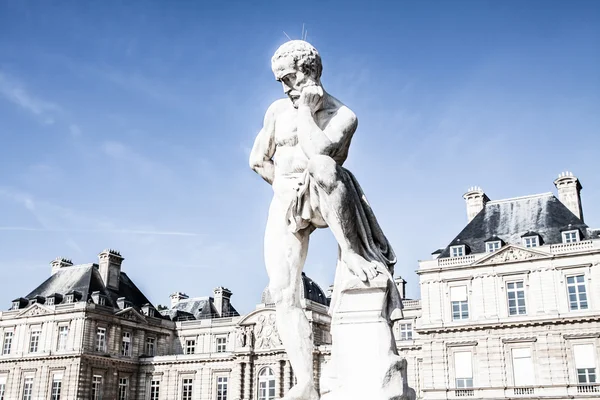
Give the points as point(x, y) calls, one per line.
point(359, 223)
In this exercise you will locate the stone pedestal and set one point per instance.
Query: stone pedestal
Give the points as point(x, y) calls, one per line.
point(364, 360)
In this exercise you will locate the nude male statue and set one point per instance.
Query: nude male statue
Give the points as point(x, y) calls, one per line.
point(300, 151)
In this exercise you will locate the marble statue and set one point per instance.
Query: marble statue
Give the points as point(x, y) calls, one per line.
point(300, 151)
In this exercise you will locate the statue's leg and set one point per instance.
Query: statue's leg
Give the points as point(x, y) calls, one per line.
point(285, 253)
point(337, 205)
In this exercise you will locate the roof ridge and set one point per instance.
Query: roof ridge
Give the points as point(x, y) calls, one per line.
point(531, 196)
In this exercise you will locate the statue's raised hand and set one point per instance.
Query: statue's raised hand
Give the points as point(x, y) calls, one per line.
point(312, 97)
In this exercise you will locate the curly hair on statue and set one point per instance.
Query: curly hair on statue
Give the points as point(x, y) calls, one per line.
point(305, 56)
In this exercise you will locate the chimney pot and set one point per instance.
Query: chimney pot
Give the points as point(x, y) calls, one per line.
point(109, 265)
point(476, 200)
point(569, 192)
point(58, 263)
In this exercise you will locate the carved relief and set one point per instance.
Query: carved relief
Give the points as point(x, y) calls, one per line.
point(511, 254)
point(265, 331)
point(37, 310)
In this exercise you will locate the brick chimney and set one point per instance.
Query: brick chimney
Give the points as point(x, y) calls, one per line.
point(177, 297)
point(109, 264)
point(569, 192)
point(222, 299)
point(476, 200)
point(58, 263)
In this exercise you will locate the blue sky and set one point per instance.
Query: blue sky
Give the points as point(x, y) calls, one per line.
point(128, 125)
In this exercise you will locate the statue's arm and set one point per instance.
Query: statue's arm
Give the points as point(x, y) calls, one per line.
point(261, 156)
point(315, 140)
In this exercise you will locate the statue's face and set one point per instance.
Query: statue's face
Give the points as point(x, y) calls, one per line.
point(292, 79)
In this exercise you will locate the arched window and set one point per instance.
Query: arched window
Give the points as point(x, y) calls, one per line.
point(266, 384)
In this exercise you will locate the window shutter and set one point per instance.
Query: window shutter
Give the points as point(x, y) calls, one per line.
point(584, 355)
point(458, 293)
point(523, 367)
point(463, 364)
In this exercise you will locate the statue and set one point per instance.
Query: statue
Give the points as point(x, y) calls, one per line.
point(300, 151)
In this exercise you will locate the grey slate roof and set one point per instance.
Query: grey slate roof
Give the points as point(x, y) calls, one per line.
point(196, 308)
point(311, 291)
point(86, 279)
point(509, 219)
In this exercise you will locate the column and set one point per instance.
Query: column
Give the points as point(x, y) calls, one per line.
point(247, 390)
point(287, 374)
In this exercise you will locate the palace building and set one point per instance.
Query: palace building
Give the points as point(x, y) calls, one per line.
point(509, 309)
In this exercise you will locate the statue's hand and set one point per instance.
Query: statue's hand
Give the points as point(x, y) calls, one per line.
point(311, 97)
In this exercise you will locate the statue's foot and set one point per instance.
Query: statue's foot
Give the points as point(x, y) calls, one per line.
point(363, 269)
point(302, 393)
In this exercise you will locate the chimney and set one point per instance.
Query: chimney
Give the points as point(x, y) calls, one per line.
point(109, 264)
point(177, 297)
point(222, 299)
point(476, 200)
point(569, 192)
point(401, 283)
point(60, 262)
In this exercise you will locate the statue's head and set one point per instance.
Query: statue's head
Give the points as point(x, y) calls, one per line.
point(297, 64)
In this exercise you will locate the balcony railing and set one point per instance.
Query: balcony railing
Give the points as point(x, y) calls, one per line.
point(593, 388)
point(520, 391)
point(464, 393)
point(572, 247)
point(452, 261)
point(411, 303)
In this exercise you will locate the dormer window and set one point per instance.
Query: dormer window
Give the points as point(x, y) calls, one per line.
point(570, 236)
point(491, 247)
point(531, 241)
point(15, 305)
point(50, 301)
point(70, 298)
point(457, 251)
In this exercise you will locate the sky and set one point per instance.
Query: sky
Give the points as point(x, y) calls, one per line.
point(128, 125)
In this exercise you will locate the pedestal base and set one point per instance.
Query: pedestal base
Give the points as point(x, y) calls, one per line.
point(364, 360)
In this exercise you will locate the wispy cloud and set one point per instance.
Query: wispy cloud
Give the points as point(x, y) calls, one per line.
point(122, 231)
point(15, 92)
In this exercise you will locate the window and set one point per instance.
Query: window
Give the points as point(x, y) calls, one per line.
point(570, 236)
point(123, 388)
point(516, 298)
point(8, 336)
point(522, 367)
point(126, 344)
point(222, 387)
point(190, 346)
point(577, 292)
point(491, 247)
point(101, 339)
point(102, 300)
point(266, 384)
point(460, 304)
point(56, 384)
point(70, 298)
point(34, 341)
point(186, 389)
point(16, 305)
point(97, 387)
point(63, 334)
point(457, 251)
point(2, 387)
point(406, 332)
point(154, 390)
point(221, 344)
point(464, 369)
point(50, 301)
point(531, 241)
point(150, 346)
point(585, 363)
point(28, 388)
